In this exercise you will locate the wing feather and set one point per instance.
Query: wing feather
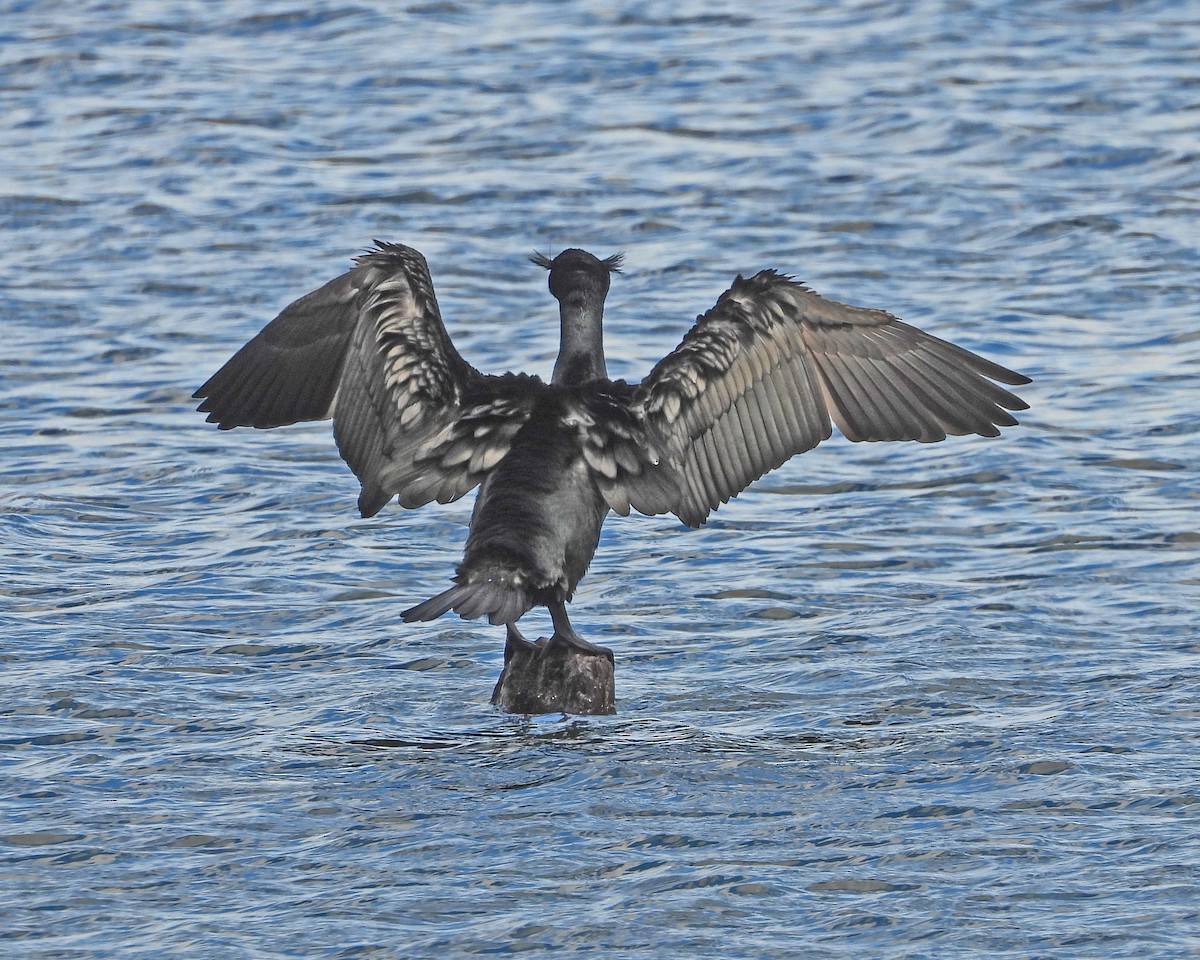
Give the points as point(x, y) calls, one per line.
point(811, 397)
point(894, 424)
point(969, 413)
point(289, 372)
point(746, 426)
point(740, 442)
point(718, 478)
point(766, 373)
point(945, 416)
point(847, 407)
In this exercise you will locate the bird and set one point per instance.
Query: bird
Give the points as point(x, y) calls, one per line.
point(759, 378)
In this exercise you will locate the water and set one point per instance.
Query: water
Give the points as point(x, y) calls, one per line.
point(899, 700)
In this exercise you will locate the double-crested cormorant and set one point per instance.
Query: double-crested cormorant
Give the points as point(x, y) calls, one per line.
point(757, 380)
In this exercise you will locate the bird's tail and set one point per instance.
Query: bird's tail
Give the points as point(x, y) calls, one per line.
point(499, 601)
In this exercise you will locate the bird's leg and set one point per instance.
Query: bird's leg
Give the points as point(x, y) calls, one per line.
point(565, 633)
point(515, 642)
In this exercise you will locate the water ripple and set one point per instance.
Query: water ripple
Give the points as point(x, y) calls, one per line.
point(895, 701)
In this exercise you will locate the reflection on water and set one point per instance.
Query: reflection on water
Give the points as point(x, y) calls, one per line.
point(898, 700)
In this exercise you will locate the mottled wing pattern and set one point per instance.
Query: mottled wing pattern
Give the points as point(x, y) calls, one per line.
point(447, 454)
point(369, 349)
point(759, 378)
point(627, 466)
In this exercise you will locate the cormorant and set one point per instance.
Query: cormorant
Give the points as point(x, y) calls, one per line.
point(757, 380)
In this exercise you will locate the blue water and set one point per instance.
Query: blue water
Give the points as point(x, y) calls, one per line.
point(896, 701)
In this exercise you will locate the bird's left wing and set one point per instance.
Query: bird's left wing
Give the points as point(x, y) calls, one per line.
point(759, 377)
point(369, 349)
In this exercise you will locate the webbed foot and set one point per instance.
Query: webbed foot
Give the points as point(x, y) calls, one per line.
point(565, 633)
point(575, 642)
point(516, 644)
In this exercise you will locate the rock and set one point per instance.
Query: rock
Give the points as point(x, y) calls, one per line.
point(554, 676)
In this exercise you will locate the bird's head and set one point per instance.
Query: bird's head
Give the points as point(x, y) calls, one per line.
point(576, 275)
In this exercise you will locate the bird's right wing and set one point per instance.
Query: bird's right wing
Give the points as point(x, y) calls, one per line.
point(759, 378)
point(369, 349)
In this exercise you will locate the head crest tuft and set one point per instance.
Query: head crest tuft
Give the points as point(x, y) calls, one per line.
point(611, 264)
point(614, 262)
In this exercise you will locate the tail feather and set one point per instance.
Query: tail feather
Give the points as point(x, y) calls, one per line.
point(434, 607)
point(499, 602)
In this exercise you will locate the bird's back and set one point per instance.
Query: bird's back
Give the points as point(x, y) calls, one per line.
point(539, 511)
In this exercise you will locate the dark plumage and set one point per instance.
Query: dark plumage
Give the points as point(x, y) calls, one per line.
point(757, 380)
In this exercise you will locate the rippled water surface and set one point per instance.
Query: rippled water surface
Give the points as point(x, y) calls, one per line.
point(898, 700)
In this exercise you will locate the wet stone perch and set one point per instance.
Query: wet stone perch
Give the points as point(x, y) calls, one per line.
point(550, 676)
point(762, 376)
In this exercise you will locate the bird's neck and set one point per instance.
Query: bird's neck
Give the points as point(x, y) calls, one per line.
point(581, 350)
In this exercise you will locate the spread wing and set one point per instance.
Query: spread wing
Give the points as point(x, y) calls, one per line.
point(759, 378)
point(369, 349)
